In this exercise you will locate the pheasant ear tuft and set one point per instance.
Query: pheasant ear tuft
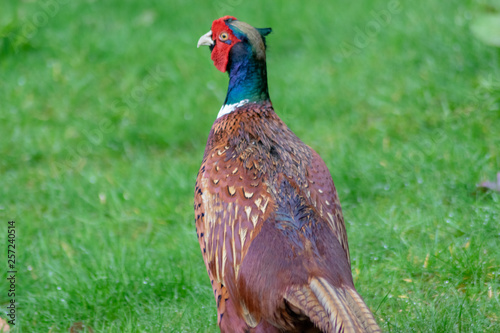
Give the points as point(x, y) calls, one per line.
point(264, 31)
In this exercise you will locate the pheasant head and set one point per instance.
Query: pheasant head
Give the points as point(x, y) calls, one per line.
point(239, 49)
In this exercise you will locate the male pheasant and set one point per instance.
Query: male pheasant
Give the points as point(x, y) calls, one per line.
point(268, 217)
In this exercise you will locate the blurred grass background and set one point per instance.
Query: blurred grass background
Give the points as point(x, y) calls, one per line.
point(105, 107)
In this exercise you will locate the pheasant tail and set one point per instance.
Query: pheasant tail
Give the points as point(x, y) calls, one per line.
point(333, 309)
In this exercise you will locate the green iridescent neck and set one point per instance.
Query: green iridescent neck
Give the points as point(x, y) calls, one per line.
point(247, 77)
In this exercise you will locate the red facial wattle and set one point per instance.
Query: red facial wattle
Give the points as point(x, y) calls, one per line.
point(220, 52)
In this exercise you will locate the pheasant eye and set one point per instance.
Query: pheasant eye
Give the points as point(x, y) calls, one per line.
point(224, 36)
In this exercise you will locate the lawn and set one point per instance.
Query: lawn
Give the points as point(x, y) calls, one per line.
point(105, 108)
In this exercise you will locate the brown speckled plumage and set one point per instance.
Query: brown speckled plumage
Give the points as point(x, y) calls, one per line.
point(271, 231)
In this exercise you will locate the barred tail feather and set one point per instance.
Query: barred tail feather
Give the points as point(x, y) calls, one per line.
point(331, 309)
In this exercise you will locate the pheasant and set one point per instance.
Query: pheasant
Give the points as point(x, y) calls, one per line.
point(268, 217)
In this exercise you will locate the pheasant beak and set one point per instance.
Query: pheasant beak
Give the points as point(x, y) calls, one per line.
point(206, 39)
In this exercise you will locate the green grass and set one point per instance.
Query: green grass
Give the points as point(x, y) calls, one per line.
point(105, 108)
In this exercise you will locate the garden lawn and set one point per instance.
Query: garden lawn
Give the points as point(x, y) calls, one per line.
point(105, 108)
